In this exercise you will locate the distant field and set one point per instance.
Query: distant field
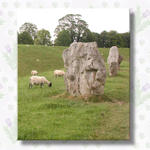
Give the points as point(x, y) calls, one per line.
point(50, 113)
point(40, 58)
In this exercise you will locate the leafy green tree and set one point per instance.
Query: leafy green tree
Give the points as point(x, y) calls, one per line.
point(104, 39)
point(125, 37)
point(25, 38)
point(63, 38)
point(43, 38)
point(118, 40)
point(96, 38)
point(30, 28)
point(109, 39)
point(74, 24)
point(87, 36)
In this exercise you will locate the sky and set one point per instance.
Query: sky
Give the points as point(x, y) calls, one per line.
point(98, 19)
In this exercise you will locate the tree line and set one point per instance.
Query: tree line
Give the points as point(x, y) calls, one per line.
point(71, 28)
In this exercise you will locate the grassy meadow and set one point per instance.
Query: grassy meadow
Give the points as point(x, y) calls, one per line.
point(52, 114)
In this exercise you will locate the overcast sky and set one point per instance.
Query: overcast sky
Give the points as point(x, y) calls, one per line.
point(97, 19)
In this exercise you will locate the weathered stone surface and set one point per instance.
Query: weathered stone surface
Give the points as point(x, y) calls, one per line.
point(114, 60)
point(120, 59)
point(85, 67)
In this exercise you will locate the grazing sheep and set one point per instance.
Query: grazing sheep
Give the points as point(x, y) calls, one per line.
point(34, 72)
point(38, 80)
point(59, 73)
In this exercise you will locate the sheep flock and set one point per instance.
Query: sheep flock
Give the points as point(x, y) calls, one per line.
point(41, 80)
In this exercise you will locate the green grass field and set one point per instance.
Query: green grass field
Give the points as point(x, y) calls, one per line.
point(50, 113)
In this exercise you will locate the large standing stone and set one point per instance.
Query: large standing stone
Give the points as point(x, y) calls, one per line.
point(85, 67)
point(114, 59)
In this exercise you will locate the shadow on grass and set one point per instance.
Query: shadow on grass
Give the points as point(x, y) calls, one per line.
point(94, 99)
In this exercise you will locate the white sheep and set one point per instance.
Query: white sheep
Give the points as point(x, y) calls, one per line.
point(34, 72)
point(59, 73)
point(38, 80)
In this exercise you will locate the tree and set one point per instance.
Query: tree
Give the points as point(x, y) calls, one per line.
point(30, 28)
point(43, 38)
point(96, 38)
point(25, 38)
point(104, 41)
point(125, 39)
point(63, 38)
point(109, 39)
point(74, 24)
point(87, 36)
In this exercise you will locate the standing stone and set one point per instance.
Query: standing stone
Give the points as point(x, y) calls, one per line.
point(114, 59)
point(85, 67)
